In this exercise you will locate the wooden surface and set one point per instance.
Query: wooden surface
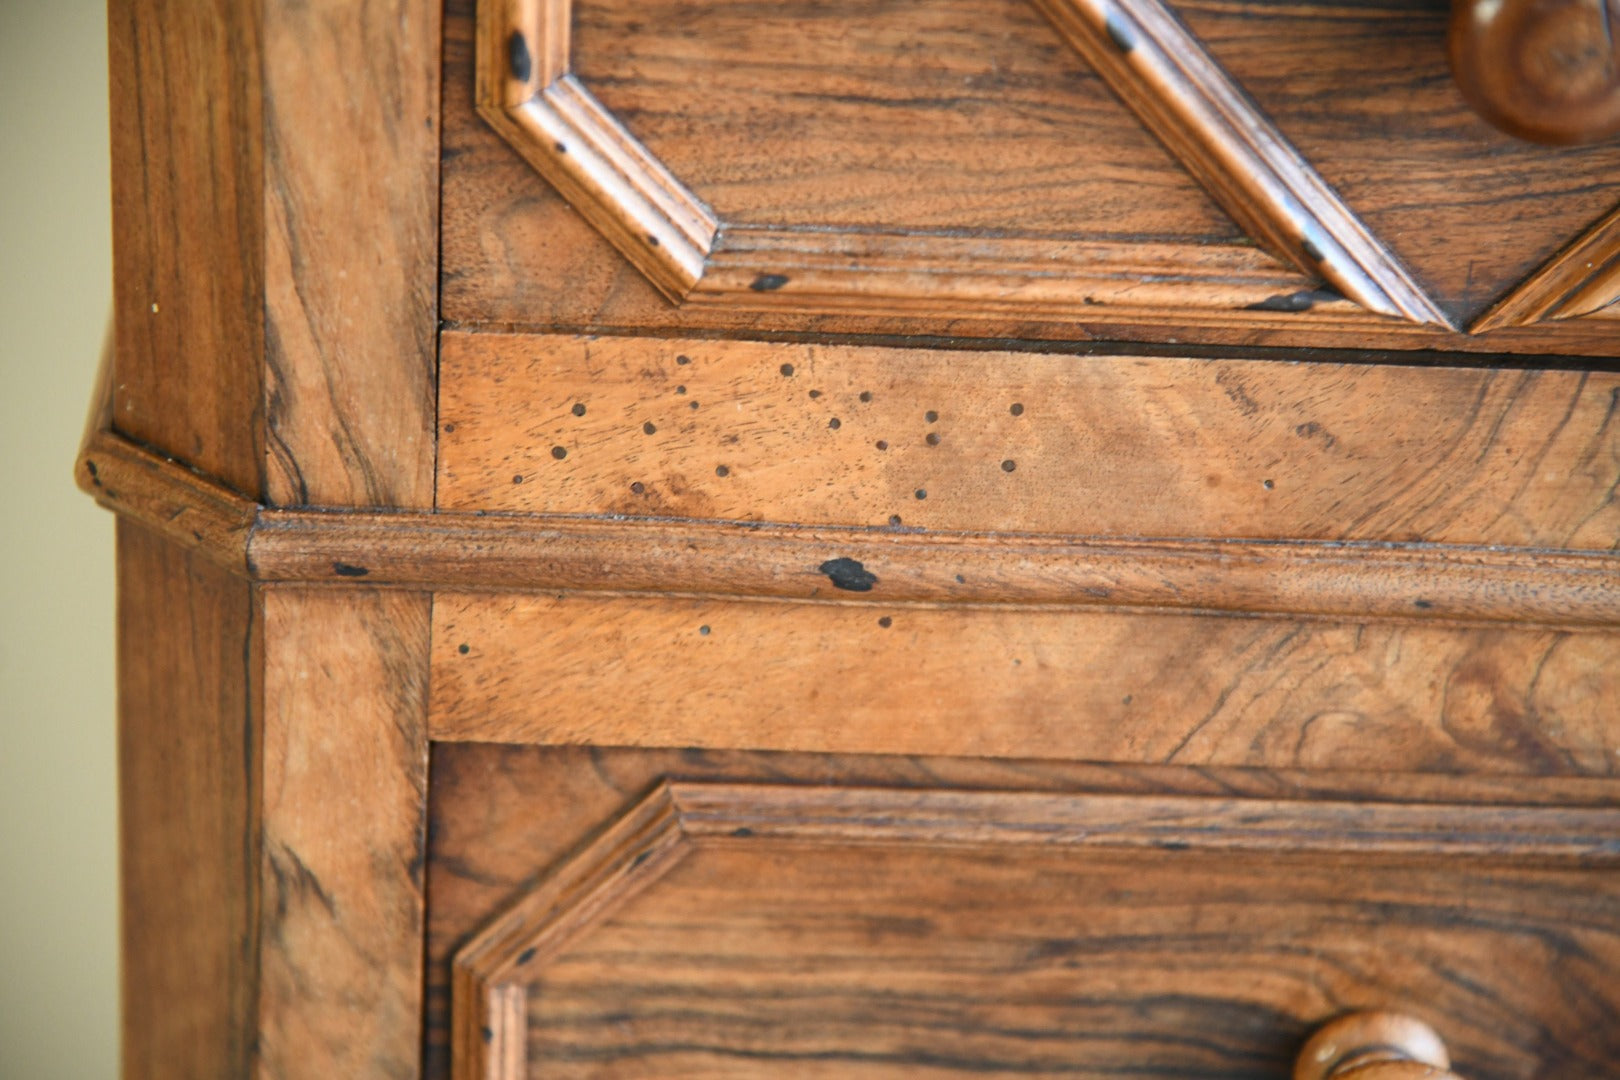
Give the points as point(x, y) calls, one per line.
point(1416, 172)
point(1581, 280)
point(1146, 55)
point(188, 232)
point(189, 642)
point(274, 418)
point(1180, 93)
point(344, 789)
point(1012, 683)
point(275, 213)
point(759, 951)
point(1028, 442)
point(351, 214)
point(818, 141)
point(471, 550)
point(1365, 93)
point(890, 566)
point(715, 928)
point(190, 510)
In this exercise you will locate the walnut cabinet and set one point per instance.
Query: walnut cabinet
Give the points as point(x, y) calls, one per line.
point(858, 539)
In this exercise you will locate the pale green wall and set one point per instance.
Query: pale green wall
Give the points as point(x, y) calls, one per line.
point(58, 852)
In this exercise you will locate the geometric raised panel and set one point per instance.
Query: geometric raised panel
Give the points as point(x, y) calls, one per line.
point(723, 929)
point(1331, 265)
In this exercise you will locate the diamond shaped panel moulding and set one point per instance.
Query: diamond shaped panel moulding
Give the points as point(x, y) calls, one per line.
point(1583, 279)
point(1340, 272)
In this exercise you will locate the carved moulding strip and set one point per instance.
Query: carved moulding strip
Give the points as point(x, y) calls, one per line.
point(1582, 279)
point(526, 92)
point(422, 549)
point(1184, 97)
point(490, 974)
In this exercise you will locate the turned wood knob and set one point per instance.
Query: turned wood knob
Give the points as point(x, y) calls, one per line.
point(1374, 1046)
point(1544, 70)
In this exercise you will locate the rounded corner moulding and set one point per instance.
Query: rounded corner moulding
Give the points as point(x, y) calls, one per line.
point(1158, 68)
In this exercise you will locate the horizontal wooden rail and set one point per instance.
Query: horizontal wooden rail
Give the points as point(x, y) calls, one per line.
point(681, 557)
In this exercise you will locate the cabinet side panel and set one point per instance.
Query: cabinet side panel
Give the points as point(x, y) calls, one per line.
point(188, 231)
point(188, 730)
point(345, 783)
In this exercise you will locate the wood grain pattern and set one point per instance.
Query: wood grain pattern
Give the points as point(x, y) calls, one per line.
point(1025, 225)
point(277, 298)
point(876, 567)
point(1366, 94)
point(668, 232)
point(1409, 158)
point(189, 640)
point(983, 103)
point(350, 143)
point(1181, 93)
point(501, 812)
point(583, 670)
point(344, 804)
point(805, 877)
point(190, 510)
point(471, 550)
point(1583, 279)
point(1026, 442)
point(188, 232)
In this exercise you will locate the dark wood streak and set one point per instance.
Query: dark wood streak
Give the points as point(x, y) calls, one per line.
point(341, 900)
point(189, 641)
point(351, 297)
point(1366, 95)
point(1583, 279)
point(276, 309)
point(1191, 104)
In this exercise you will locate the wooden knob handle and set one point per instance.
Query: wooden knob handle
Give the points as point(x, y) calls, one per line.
point(1543, 70)
point(1374, 1046)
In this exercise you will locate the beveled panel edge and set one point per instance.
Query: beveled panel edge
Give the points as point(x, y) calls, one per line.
point(469, 550)
point(1582, 279)
point(653, 834)
point(1202, 116)
point(488, 1011)
point(525, 90)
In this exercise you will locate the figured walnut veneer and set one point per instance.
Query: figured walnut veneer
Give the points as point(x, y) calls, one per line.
point(718, 929)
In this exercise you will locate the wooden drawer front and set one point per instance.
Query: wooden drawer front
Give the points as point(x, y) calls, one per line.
point(1027, 442)
point(777, 929)
point(1007, 682)
point(1064, 169)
